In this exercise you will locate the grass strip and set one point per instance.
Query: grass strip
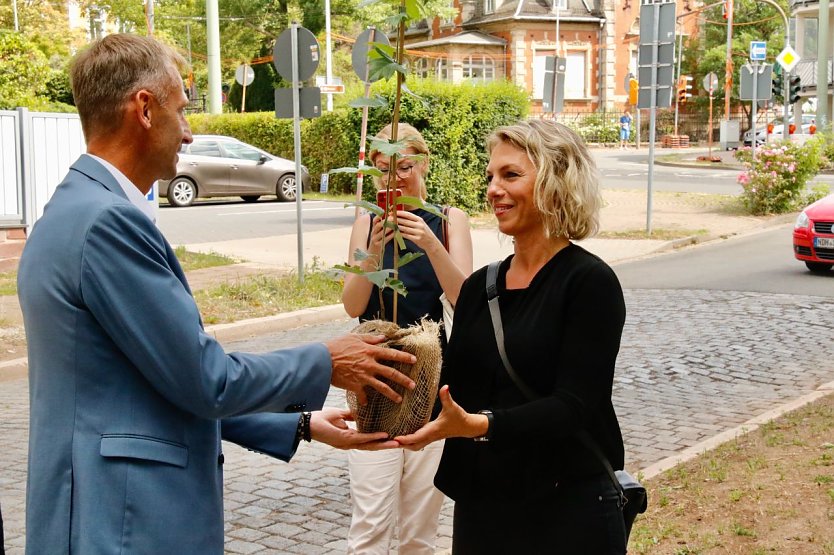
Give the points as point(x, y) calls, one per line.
point(260, 296)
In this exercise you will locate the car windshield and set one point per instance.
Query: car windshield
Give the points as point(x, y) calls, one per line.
point(239, 150)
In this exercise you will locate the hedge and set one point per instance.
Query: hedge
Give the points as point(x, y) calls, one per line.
point(454, 119)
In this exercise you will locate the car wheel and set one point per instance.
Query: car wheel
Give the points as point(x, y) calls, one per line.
point(818, 266)
point(182, 192)
point(250, 198)
point(285, 190)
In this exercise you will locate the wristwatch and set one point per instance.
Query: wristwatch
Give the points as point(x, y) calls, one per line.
point(490, 420)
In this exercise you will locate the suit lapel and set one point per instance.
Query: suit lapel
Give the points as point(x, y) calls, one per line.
point(91, 168)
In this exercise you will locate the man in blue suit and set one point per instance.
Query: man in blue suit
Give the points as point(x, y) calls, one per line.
point(129, 396)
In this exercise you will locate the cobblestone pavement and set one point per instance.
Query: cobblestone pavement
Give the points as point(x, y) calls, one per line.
point(692, 364)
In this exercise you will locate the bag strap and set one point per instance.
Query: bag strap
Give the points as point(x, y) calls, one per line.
point(498, 328)
point(444, 230)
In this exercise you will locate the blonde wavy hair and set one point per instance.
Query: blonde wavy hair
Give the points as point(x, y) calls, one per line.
point(413, 139)
point(566, 190)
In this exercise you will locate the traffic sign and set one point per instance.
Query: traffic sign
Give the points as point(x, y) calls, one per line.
point(332, 88)
point(710, 83)
point(359, 54)
point(758, 50)
point(244, 74)
point(308, 54)
point(788, 58)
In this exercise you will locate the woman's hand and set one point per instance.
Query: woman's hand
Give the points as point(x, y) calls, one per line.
point(453, 421)
point(414, 228)
point(378, 234)
point(329, 426)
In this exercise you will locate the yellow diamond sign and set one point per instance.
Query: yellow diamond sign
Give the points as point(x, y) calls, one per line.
point(788, 58)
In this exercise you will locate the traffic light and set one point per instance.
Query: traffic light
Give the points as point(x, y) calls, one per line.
point(777, 85)
point(684, 86)
point(795, 85)
point(633, 89)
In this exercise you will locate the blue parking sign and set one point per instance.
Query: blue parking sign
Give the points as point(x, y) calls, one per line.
point(758, 50)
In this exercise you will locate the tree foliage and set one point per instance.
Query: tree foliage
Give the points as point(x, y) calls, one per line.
point(707, 51)
point(24, 71)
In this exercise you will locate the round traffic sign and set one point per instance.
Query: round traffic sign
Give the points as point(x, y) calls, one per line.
point(244, 74)
point(359, 55)
point(308, 54)
point(711, 82)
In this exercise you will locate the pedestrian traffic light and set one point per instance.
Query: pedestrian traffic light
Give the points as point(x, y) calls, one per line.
point(777, 85)
point(795, 85)
point(684, 86)
point(633, 89)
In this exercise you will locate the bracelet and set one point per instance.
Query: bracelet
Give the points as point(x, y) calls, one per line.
point(490, 418)
point(304, 425)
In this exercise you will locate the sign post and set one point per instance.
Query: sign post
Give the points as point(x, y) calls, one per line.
point(244, 75)
point(655, 73)
point(299, 66)
point(710, 83)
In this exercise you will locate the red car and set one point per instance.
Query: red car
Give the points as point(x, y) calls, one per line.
point(813, 236)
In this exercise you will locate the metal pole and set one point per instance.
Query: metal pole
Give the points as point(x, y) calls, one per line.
point(14, 9)
point(754, 107)
point(680, 55)
point(213, 54)
point(638, 127)
point(150, 17)
point(329, 66)
point(652, 130)
point(823, 54)
point(243, 98)
point(709, 139)
point(296, 120)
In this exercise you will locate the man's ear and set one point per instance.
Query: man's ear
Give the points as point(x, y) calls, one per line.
point(140, 105)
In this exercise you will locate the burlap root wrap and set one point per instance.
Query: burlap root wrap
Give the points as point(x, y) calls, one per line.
point(381, 414)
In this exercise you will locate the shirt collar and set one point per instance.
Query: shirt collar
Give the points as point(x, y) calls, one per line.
point(134, 195)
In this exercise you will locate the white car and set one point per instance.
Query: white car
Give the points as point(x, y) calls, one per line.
point(778, 131)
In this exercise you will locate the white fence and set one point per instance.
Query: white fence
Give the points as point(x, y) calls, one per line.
point(36, 151)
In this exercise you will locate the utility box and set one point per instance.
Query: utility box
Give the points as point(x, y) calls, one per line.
point(728, 134)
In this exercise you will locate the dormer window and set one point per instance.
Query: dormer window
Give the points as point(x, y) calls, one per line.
point(489, 6)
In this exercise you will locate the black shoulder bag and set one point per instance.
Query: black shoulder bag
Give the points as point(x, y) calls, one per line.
point(633, 499)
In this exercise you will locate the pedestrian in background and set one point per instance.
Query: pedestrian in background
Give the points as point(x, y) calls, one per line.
point(625, 128)
point(393, 489)
point(129, 395)
point(529, 484)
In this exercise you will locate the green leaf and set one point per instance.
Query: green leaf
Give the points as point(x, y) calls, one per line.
point(382, 50)
point(426, 104)
point(409, 256)
point(413, 201)
point(369, 206)
point(361, 254)
point(375, 102)
point(379, 278)
point(394, 20)
point(379, 69)
point(388, 148)
point(389, 224)
point(400, 241)
point(397, 286)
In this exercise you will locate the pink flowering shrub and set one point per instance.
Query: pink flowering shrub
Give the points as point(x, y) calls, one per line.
point(775, 182)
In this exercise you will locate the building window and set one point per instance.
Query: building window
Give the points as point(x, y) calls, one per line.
point(479, 68)
point(422, 67)
point(489, 6)
point(810, 38)
point(441, 69)
point(575, 75)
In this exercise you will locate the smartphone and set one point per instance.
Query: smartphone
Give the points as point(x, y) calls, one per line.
point(382, 199)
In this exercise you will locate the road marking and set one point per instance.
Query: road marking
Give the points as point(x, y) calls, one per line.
point(277, 211)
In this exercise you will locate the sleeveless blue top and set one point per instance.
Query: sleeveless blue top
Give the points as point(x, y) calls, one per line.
point(420, 281)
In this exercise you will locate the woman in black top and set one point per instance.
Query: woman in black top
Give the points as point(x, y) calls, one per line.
point(393, 489)
point(529, 485)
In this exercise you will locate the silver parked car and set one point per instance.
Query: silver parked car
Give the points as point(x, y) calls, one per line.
point(217, 166)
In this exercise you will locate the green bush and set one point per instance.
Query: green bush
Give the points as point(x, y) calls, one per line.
point(775, 182)
point(454, 119)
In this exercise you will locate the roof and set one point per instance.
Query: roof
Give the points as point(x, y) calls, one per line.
point(541, 10)
point(475, 38)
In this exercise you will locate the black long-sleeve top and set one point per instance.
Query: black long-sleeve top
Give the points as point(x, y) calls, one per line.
point(562, 334)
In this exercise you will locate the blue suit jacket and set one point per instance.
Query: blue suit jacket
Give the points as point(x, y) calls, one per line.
point(128, 393)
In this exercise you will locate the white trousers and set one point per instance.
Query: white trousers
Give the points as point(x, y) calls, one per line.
point(394, 488)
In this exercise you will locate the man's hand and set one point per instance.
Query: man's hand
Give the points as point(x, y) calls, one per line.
point(329, 426)
point(452, 421)
point(356, 364)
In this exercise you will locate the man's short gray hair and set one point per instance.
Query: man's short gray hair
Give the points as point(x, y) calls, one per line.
point(114, 68)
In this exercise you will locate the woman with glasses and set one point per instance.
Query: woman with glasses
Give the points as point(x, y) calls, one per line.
point(393, 490)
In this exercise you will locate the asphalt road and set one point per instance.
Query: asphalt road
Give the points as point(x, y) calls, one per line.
point(761, 262)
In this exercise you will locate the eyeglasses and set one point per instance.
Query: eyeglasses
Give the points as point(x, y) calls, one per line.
point(402, 171)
